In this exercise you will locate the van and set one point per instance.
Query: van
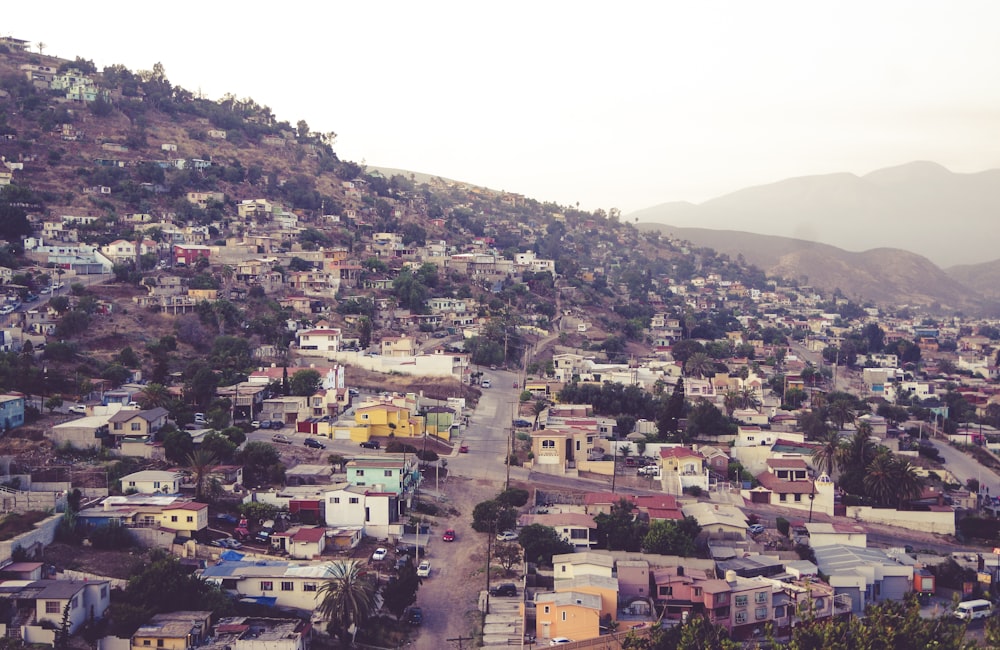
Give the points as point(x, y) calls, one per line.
point(199, 418)
point(970, 610)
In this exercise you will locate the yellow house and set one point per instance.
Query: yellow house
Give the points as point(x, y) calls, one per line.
point(398, 346)
point(603, 587)
point(572, 614)
point(549, 448)
point(383, 420)
point(186, 517)
point(173, 631)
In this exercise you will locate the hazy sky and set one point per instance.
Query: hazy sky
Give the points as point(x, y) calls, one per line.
point(624, 104)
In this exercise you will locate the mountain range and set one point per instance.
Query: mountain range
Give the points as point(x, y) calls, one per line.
point(883, 236)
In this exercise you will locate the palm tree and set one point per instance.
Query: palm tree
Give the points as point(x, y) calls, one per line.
point(537, 409)
point(880, 477)
point(748, 398)
point(829, 455)
point(200, 461)
point(699, 364)
point(908, 484)
point(347, 597)
point(731, 401)
point(154, 395)
point(841, 412)
point(861, 449)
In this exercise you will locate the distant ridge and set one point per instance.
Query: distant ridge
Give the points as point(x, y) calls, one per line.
point(947, 217)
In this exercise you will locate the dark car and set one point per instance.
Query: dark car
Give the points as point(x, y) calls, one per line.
point(505, 589)
point(315, 444)
point(371, 444)
point(415, 616)
point(521, 423)
point(265, 424)
point(277, 424)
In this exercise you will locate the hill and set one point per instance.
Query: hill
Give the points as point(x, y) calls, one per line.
point(984, 278)
point(921, 207)
point(883, 275)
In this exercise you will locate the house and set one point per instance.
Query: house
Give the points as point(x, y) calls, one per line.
point(397, 346)
point(567, 566)
point(376, 514)
point(188, 254)
point(786, 482)
point(825, 534)
point(152, 482)
point(136, 423)
point(681, 469)
point(287, 585)
point(390, 475)
point(11, 411)
point(288, 409)
point(681, 591)
point(319, 340)
point(572, 614)
point(550, 450)
point(45, 602)
point(304, 543)
point(576, 528)
point(384, 420)
point(865, 575)
point(717, 521)
point(252, 633)
point(183, 630)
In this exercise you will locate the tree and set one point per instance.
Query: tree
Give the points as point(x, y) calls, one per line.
point(891, 480)
point(620, 529)
point(537, 409)
point(514, 497)
point(346, 598)
point(672, 537)
point(671, 411)
point(829, 454)
point(53, 403)
point(540, 543)
point(706, 420)
point(492, 516)
point(402, 592)
point(177, 445)
point(155, 395)
point(841, 411)
point(699, 364)
point(261, 463)
point(305, 382)
point(200, 461)
point(507, 555)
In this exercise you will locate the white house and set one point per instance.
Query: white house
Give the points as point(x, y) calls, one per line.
point(152, 482)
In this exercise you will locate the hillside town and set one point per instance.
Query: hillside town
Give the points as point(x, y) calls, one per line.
point(281, 389)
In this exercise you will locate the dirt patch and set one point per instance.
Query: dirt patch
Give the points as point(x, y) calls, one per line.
point(111, 564)
point(439, 388)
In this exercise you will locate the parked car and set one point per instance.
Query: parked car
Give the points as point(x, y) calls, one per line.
point(315, 444)
point(560, 640)
point(415, 616)
point(228, 518)
point(486, 383)
point(371, 444)
point(449, 535)
point(379, 554)
point(756, 529)
point(424, 570)
point(281, 438)
point(277, 424)
point(264, 424)
point(256, 424)
point(507, 536)
point(521, 423)
point(463, 449)
point(505, 589)
point(649, 470)
point(78, 409)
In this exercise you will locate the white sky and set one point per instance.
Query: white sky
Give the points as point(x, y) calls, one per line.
point(624, 104)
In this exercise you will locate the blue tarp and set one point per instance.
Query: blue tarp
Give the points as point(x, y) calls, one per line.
point(231, 555)
point(260, 600)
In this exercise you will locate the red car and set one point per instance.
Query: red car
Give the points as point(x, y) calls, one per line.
point(464, 449)
point(449, 535)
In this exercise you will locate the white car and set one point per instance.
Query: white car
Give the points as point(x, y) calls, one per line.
point(507, 536)
point(559, 640)
point(379, 554)
point(78, 409)
point(424, 570)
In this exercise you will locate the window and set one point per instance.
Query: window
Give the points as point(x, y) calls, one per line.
point(741, 617)
point(548, 444)
point(173, 518)
point(819, 604)
point(190, 518)
point(52, 607)
point(564, 616)
point(156, 485)
point(287, 586)
point(353, 500)
point(782, 497)
point(760, 613)
point(741, 601)
point(666, 591)
point(697, 592)
point(309, 586)
point(359, 472)
point(798, 498)
point(159, 643)
point(267, 586)
point(104, 591)
point(760, 597)
point(779, 611)
point(578, 533)
point(137, 426)
point(388, 472)
point(131, 483)
point(146, 642)
point(545, 610)
point(334, 499)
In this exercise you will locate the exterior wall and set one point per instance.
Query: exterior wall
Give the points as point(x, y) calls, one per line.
point(580, 623)
point(941, 523)
point(184, 520)
point(428, 365)
point(44, 533)
point(345, 513)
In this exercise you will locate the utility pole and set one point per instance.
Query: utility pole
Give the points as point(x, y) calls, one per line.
point(510, 452)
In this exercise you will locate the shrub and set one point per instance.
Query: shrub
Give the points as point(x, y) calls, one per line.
point(694, 490)
point(112, 536)
point(782, 525)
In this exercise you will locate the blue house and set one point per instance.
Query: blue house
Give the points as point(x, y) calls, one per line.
point(11, 411)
